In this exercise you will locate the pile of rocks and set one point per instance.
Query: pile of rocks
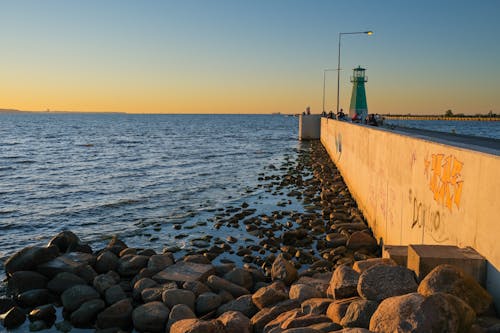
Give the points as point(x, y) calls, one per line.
point(120, 288)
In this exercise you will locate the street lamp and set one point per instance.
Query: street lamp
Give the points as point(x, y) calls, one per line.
point(324, 84)
point(338, 64)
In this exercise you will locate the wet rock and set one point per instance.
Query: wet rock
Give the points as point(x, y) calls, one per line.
point(207, 302)
point(361, 240)
point(63, 281)
point(218, 284)
point(104, 281)
point(362, 265)
point(450, 279)
point(106, 261)
point(337, 310)
point(183, 271)
point(173, 297)
point(159, 262)
point(303, 292)
point(344, 282)
point(243, 304)
point(241, 277)
point(130, 265)
point(316, 306)
point(117, 315)
point(45, 313)
point(381, 281)
point(86, 314)
point(269, 295)
point(197, 326)
point(6, 304)
point(34, 297)
point(22, 281)
point(65, 241)
point(283, 270)
point(75, 296)
point(264, 316)
point(86, 272)
point(235, 322)
point(150, 317)
point(179, 312)
point(69, 262)
point(413, 312)
point(29, 258)
point(359, 313)
point(12, 318)
point(114, 294)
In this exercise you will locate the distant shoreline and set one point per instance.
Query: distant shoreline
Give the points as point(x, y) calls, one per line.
point(435, 117)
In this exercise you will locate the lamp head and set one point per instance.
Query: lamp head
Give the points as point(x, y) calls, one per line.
point(369, 32)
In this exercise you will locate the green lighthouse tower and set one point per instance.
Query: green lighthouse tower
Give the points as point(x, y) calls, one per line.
point(358, 106)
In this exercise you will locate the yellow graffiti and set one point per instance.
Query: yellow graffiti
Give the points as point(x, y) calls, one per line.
point(446, 181)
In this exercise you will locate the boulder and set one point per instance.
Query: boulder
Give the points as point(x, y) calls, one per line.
point(450, 279)
point(65, 241)
point(35, 297)
point(150, 317)
point(207, 302)
point(116, 245)
point(6, 303)
point(344, 282)
point(114, 294)
point(235, 322)
point(270, 295)
point(104, 281)
point(362, 265)
point(316, 306)
point(106, 261)
point(361, 240)
point(183, 271)
point(70, 262)
point(197, 259)
point(86, 314)
point(29, 258)
point(359, 313)
point(241, 277)
point(172, 297)
point(303, 292)
point(415, 313)
point(63, 281)
point(301, 330)
point(380, 282)
point(75, 296)
point(325, 327)
point(196, 287)
point(337, 310)
point(142, 284)
point(218, 284)
point(275, 324)
point(117, 315)
point(22, 281)
point(45, 313)
point(321, 283)
point(179, 312)
point(12, 318)
point(130, 265)
point(264, 316)
point(304, 321)
point(159, 262)
point(283, 270)
point(152, 294)
point(243, 304)
point(197, 326)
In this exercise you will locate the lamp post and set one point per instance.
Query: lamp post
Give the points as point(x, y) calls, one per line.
point(338, 63)
point(324, 84)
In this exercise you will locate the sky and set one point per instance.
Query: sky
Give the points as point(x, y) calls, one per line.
point(240, 56)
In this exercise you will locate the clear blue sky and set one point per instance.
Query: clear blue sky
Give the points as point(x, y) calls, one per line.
point(247, 56)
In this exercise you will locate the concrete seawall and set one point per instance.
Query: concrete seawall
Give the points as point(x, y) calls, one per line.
point(416, 191)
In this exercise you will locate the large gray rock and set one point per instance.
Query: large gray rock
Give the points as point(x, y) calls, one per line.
point(75, 296)
point(304, 321)
point(63, 281)
point(102, 282)
point(207, 302)
point(65, 241)
point(159, 262)
point(415, 313)
point(117, 315)
point(380, 282)
point(316, 306)
point(235, 322)
point(183, 271)
point(283, 270)
point(303, 292)
point(179, 312)
point(130, 265)
point(359, 313)
point(337, 310)
point(86, 314)
point(35, 297)
point(241, 277)
point(72, 262)
point(150, 317)
point(29, 258)
point(361, 240)
point(344, 282)
point(218, 284)
point(450, 279)
point(275, 324)
point(152, 294)
point(142, 284)
point(243, 304)
point(270, 295)
point(106, 261)
point(196, 287)
point(172, 297)
point(264, 316)
point(114, 294)
point(22, 281)
point(13, 318)
point(362, 265)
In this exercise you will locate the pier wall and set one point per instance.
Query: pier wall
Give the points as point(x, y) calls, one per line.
point(414, 191)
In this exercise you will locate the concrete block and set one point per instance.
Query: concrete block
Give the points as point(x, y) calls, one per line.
point(398, 253)
point(423, 258)
point(309, 127)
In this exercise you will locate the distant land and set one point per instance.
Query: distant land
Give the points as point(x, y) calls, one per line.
point(50, 111)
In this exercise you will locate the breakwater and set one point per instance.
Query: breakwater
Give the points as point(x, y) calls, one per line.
point(414, 190)
point(444, 118)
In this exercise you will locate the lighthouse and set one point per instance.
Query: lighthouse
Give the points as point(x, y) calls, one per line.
point(358, 108)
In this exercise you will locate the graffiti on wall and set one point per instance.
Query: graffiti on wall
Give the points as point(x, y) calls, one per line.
point(445, 179)
point(427, 219)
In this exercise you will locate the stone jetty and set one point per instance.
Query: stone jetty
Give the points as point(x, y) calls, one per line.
point(314, 271)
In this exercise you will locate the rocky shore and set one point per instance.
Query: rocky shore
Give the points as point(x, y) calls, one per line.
point(316, 270)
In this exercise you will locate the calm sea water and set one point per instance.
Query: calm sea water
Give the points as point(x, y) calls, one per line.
point(130, 175)
point(489, 129)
